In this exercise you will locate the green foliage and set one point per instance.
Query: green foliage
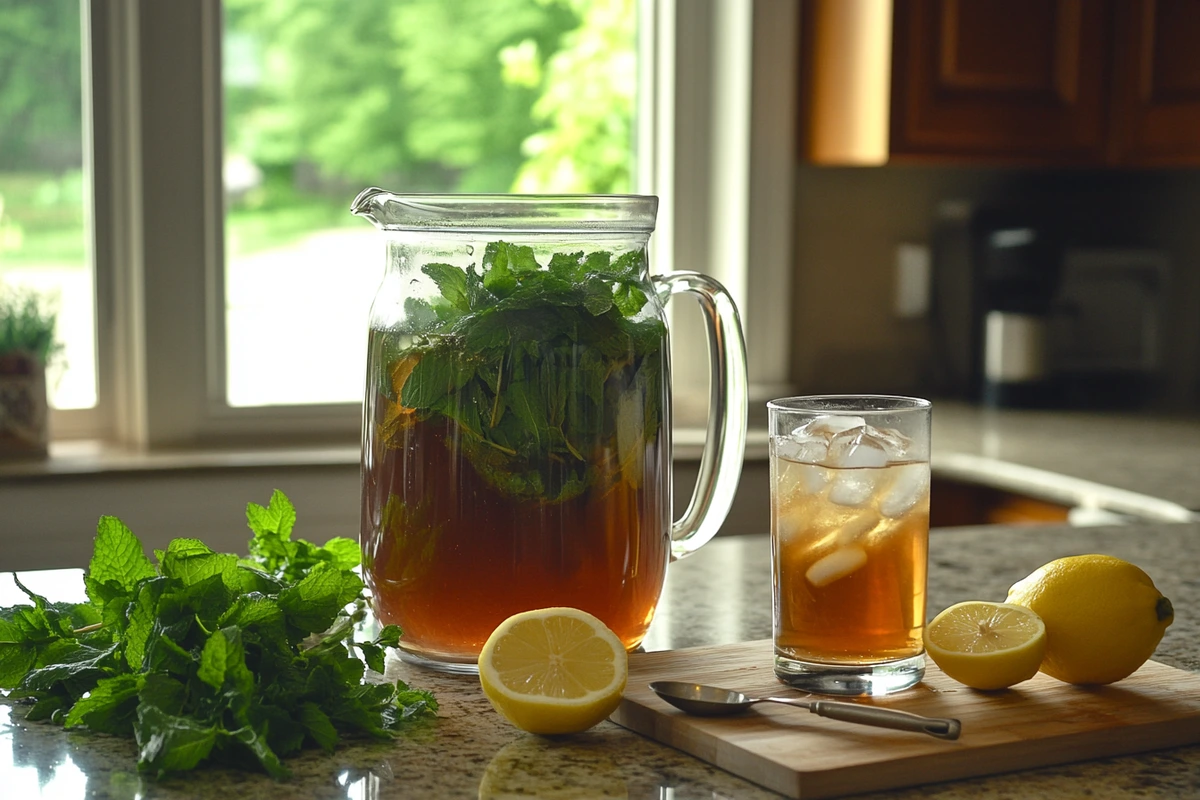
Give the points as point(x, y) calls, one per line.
point(435, 96)
point(40, 79)
point(273, 550)
point(206, 656)
point(537, 366)
point(27, 323)
point(587, 102)
point(326, 97)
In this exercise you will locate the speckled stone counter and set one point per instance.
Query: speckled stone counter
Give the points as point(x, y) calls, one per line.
point(720, 595)
point(1154, 456)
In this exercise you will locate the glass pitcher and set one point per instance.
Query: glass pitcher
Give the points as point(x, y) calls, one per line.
point(517, 420)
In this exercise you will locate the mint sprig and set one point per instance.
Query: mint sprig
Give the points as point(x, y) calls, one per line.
point(203, 656)
point(537, 365)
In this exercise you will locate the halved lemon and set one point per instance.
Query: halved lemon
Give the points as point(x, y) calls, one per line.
point(553, 670)
point(987, 645)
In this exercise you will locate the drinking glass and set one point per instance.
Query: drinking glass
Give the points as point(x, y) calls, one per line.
point(849, 541)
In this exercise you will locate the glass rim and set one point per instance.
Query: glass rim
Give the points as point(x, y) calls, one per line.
point(829, 404)
point(592, 213)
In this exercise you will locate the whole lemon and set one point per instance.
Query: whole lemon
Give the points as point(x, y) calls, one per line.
point(1103, 616)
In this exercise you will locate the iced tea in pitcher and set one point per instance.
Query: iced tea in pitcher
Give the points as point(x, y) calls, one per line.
point(516, 428)
point(514, 450)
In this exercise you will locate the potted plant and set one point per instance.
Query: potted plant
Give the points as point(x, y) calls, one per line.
point(27, 344)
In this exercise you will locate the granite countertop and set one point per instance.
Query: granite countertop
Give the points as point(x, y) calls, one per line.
point(720, 595)
point(1142, 464)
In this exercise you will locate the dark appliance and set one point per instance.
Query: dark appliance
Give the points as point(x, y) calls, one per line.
point(995, 277)
point(1107, 332)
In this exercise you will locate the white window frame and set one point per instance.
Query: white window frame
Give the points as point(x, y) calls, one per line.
point(719, 119)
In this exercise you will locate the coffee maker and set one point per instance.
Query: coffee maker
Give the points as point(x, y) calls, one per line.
point(995, 275)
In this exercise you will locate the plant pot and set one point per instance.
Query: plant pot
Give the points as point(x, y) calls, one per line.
point(24, 412)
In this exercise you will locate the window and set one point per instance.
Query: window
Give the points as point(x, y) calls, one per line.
point(44, 213)
point(177, 306)
point(322, 100)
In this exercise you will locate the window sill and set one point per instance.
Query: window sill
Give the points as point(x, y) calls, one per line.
point(94, 457)
point(83, 458)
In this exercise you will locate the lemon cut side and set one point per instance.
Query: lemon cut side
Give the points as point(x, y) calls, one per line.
point(987, 645)
point(553, 670)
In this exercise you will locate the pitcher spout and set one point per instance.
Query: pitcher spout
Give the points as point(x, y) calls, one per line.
point(368, 204)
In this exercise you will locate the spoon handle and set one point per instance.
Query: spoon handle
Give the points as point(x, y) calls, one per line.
point(941, 728)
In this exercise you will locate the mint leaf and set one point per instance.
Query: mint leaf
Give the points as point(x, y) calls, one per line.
point(165, 692)
point(313, 603)
point(389, 636)
point(117, 557)
point(214, 661)
point(274, 521)
point(344, 553)
point(110, 707)
point(192, 562)
point(568, 266)
point(629, 299)
point(420, 317)
point(414, 702)
point(171, 743)
point(17, 657)
point(253, 610)
point(499, 270)
point(630, 266)
point(318, 725)
point(429, 382)
point(452, 283)
point(257, 745)
point(142, 619)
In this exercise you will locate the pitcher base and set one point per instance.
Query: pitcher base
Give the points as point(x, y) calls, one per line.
point(851, 679)
point(454, 667)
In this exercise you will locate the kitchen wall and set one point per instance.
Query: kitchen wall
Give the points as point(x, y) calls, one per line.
point(849, 221)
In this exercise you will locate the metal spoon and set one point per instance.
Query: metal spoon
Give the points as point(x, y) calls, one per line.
point(711, 701)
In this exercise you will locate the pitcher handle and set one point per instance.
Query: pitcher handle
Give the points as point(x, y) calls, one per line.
point(725, 442)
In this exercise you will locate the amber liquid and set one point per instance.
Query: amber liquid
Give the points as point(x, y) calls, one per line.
point(849, 581)
point(448, 557)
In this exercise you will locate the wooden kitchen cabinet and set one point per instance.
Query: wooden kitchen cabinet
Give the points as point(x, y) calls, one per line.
point(1156, 83)
point(1063, 82)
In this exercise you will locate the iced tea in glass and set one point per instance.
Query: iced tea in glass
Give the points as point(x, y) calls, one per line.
point(849, 541)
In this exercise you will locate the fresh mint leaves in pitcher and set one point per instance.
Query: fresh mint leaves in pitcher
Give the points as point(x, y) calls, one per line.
point(517, 427)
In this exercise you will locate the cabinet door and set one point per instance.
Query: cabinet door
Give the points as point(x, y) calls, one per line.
point(1156, 103)
point(1008, 80)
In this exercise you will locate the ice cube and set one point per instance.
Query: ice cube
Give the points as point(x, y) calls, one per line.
point(858, 447)
point(836, 566)
point(909, 486)
point(792, 521)
point(855, 529)
point(806, 449)
point(890, 440)
point(853, 487)
point(796, 479)
point(827, 427)
point(867, 447)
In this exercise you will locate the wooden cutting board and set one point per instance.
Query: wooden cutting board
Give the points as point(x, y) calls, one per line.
point(791, 751)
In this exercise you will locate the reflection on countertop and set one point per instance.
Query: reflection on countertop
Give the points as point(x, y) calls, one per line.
point(1149, 455)
point(720, 595)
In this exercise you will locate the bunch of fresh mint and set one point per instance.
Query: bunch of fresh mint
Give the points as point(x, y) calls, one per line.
point(541, 368)
point(208, 656)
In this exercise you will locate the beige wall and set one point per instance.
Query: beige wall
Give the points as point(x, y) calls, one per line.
point(849, 221)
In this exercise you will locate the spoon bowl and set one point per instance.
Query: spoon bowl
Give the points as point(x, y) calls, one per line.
point(702, 701)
